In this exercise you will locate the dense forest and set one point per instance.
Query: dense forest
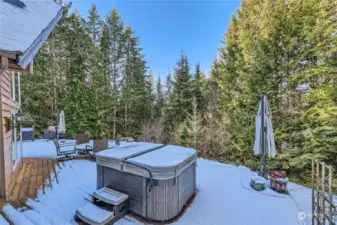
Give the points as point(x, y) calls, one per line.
point(95, 71)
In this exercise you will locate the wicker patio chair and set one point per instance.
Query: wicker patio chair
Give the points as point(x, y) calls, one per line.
point(66, 152)
point(99, 145)
point(82, 139)
point(83, 145)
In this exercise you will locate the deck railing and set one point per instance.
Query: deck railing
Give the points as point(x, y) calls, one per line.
point(324, 211)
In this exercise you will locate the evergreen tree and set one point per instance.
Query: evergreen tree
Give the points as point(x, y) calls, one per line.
point(136, 98)
point(150, 99)
point(281, 48)
point(94, 25)
point(168, 85)
point(194, 126)
point(180, 100)
point(116, 44)
point(198, 93)
point(78, 98)
point(160, 99)
point(100, 84)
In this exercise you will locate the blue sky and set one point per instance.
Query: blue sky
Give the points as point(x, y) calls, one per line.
point(166, 28)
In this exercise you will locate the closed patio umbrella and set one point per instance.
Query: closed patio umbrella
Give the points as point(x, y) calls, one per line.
point(61, 128)
point(264, 138)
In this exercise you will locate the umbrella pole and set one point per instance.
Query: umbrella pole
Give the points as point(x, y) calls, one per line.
point(263, 135)
point(57, 123)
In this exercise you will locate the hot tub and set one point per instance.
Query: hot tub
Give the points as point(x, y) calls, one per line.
point(159, 179)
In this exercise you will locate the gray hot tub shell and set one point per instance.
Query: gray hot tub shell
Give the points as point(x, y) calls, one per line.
point(130, 169)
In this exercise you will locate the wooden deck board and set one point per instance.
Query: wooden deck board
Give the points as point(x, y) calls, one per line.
point(39, 177)
point(25, 182)
point(45, 174)
point(35, 174)
point(18, 182)
point(32, 183)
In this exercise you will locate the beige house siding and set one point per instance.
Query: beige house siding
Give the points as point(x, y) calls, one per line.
point(8, 105)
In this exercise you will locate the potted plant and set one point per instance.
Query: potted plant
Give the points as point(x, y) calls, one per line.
point(258, 183)
point(278, 180)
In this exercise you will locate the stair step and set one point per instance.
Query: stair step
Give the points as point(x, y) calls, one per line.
point(35, 217)
point(3, 221)
point(94, 215)
point(110, 196)
point(15, 216)
point(46, 213)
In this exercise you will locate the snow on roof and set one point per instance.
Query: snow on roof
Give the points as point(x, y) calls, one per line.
point(25, 25)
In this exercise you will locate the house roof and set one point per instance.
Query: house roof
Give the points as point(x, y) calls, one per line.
point(25, 25)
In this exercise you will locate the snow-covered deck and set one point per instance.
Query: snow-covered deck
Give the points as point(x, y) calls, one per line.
point(224, 195)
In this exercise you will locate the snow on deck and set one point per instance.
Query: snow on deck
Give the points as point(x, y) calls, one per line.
point(221, 198)
point(224, 195)
point(42, 148)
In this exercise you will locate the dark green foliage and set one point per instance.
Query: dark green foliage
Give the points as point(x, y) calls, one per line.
point(159, 100)
point(179, 101)
point(92, 70)
point(96, 72)
point(288, 50)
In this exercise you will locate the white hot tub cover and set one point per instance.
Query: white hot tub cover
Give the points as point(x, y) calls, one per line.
point(164, 161)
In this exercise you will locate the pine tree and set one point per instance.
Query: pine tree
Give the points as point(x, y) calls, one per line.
point(160, 99)
point(94, 25)
point(168, 85)
point(100, 91)
point(116, 44)
point(197, 89)
point(136, 99)
point(179, 102)
point(150, 97)
point(79, 107)
point(194, 126)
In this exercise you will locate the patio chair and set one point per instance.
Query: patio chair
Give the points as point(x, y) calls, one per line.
point(82, 139)
point(83, 145)
point(65, 152)
point(99, 145)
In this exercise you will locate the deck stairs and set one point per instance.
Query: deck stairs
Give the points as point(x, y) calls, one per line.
point(34, 213)
point(107, 207)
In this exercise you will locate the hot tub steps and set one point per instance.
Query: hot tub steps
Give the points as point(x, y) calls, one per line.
point(110, 196)
point(94, 215)
point(107, 207)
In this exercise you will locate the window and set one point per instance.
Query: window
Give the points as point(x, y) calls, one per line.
point(15, 87)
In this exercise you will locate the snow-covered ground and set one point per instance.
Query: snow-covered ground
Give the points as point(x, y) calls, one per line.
point(224, 194)
point(45, 148)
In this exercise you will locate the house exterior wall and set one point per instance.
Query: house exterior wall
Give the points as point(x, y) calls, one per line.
point(8, 105)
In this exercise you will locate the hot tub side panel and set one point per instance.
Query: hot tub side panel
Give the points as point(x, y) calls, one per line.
point(162, 201)
point(187, 185)
point(132, 185)
point(166, 200)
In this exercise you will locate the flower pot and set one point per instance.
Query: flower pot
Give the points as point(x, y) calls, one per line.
point(258, 183)
point(279, 181)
